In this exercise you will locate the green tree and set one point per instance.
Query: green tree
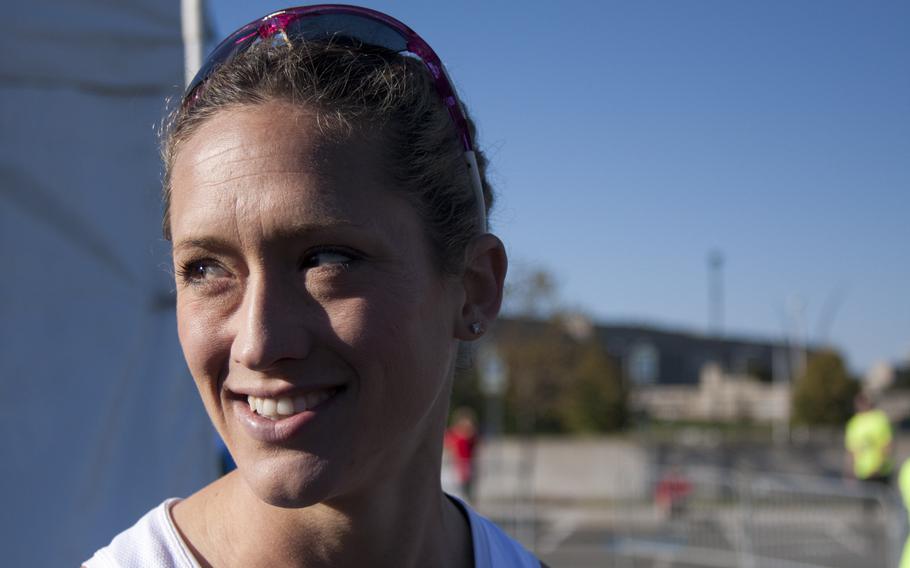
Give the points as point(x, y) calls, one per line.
point(466, 391)
point(594, 398)
point(535, 356)
point(560, 378)
point(824, 394)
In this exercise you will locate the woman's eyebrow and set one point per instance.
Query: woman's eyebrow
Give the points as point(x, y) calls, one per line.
point(283, 234)
point(308, 229)
point(207, 243)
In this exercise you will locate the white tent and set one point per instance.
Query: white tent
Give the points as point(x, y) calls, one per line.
point(99, 419)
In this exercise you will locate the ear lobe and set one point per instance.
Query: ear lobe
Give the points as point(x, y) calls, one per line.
point(484, 275)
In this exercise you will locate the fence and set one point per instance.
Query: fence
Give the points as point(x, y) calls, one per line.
point(697, 517)
point(752, 520)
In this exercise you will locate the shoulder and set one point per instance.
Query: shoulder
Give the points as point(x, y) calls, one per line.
point(152, 541)
point(854, 420)
point(881, 417)
point(493, 548)
point(870, 420)
point(857, 424)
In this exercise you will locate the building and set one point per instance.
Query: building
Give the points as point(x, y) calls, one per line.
point(678, 375)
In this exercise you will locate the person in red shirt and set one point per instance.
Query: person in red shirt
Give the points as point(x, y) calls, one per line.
point(461, 440)
point(671, 493)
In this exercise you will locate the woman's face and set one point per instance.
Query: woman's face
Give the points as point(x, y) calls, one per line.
point(312, 317)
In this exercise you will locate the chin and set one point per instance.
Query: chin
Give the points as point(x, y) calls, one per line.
point(289, 483)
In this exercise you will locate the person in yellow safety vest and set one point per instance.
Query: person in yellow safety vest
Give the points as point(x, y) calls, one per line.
point(868, 441)
point(903, 482)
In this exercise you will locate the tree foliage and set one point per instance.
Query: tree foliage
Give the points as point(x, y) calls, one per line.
point(824, 394)
point(466, 391)
point(595, 397)
point(560, 380)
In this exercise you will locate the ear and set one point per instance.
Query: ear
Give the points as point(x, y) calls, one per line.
point(485, 272)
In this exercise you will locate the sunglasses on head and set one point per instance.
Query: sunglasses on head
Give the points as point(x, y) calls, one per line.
point(327, 21)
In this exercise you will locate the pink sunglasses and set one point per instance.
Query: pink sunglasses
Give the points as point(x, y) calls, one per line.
point(326, 21)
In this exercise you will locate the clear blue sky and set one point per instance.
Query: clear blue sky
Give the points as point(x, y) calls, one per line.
point(630, 138)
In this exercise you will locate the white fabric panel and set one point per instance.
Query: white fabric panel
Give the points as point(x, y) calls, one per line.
point(106, 45)
point(99, 419)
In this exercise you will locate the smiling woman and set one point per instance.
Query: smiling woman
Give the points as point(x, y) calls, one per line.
point(327, 210)
point(304, 279)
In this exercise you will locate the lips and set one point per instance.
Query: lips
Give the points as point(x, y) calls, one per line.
point(278, 419)
point(276, 408)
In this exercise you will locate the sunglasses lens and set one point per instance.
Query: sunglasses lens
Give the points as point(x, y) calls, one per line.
point(326, 27)
point(236, 42)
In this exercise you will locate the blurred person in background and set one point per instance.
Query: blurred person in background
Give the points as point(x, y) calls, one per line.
point(327, 209)
point(461, 440)
point(671, 493)
point(903, 483)
point(868, 442)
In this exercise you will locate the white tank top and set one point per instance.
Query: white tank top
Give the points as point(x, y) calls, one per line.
point(154, 542)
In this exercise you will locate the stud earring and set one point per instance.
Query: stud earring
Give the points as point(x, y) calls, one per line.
point(476, 328)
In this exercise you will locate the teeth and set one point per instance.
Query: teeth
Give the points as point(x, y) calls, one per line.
point(313, 399)
point(275, 409)
point(285, 406)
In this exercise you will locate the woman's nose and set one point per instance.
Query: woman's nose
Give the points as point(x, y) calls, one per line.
point(271, 325)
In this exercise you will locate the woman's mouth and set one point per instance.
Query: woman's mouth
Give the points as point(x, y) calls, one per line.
point(279, 408)
point(281, 419)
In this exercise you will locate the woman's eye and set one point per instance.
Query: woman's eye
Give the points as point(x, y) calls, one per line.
point(328, 258)
point(201, 270)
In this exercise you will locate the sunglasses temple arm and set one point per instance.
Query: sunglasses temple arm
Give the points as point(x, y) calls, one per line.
point(471, 160)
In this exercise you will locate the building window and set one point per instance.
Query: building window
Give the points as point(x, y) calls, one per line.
point(644, 364)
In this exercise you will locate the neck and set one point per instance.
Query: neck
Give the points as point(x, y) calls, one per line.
point(397, 518)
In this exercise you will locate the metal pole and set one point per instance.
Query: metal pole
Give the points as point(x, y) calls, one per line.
point(798, 336)
point(193, 36)
point(781, 425)
point(715, 293)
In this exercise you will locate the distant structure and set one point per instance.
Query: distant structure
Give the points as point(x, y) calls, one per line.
point(889, 385)
point(678, 375)
point(716, 293)
point(879, 378)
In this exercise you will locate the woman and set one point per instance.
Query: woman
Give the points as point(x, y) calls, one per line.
point(327, 213)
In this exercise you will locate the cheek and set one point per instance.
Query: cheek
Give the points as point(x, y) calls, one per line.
point(201, 337)
point(401, 353)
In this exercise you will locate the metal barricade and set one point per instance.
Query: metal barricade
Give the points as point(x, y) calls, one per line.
point(708, 517)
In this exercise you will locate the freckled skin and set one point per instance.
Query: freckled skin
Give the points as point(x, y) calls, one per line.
point(297, 265)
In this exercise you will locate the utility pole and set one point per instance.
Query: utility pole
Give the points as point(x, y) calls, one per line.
point(781, 362)
point(715, 293)
point(798, 339)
